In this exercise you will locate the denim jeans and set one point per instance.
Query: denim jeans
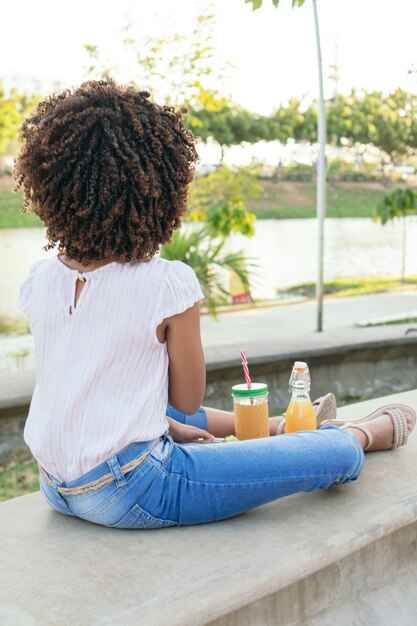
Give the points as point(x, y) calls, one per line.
point(182, 484)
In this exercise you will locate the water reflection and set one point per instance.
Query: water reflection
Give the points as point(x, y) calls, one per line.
point(285, 251)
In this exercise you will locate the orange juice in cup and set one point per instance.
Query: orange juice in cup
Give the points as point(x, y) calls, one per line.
point(250, 405)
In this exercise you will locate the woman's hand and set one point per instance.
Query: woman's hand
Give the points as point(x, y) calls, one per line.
point(182, 432)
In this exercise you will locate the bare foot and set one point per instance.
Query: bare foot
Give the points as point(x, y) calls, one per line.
point(382, 430)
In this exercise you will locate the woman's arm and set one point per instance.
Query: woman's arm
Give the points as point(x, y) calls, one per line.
point(182, 433)
point(187, 371)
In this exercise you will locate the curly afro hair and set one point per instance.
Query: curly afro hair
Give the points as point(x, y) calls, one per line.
point(106, 170)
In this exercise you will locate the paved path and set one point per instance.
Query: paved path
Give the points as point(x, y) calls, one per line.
point(240, 327)
point(300, 319)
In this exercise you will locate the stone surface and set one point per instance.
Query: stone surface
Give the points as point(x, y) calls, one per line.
point(60, 570)
point(16, 389)
point(374, 586)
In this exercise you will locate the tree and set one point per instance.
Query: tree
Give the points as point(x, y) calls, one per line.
point(220, 198)
point(293, 121)
point(399, 203)
point(388, 122)
point(213, 116)
point(13, 109)
point(204, 253)
point(176, 68)
point(258, 3)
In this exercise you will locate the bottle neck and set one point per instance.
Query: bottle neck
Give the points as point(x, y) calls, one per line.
point(298, 393)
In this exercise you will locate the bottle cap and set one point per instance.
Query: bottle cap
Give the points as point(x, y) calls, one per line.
point(257, 389)
point(300, 366)
point(300, 377)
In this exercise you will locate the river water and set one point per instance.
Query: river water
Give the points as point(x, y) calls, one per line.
point(285, 252)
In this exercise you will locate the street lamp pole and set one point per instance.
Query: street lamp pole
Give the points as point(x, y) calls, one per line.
point(321, 176)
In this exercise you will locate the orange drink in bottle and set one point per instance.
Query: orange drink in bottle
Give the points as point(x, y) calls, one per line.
point(300, 414)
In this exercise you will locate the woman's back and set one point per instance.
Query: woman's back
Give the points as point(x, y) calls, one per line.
point(102, 374)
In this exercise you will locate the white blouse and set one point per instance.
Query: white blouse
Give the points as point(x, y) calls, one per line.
point(101, 372)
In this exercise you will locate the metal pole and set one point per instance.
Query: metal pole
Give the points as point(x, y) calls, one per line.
point(404, 218)
point(321, 176)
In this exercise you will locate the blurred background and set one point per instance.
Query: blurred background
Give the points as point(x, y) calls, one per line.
point(249, 79)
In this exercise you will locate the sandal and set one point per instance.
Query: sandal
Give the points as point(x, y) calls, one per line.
point(281, 427)
point(397, 413)
point(325, 408)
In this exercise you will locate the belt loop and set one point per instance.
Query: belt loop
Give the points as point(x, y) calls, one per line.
point(51, 480)
point(116, 471)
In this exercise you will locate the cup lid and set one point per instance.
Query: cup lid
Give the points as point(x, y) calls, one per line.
point(257, 389)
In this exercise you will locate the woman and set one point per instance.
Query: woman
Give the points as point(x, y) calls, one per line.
point(117, 332)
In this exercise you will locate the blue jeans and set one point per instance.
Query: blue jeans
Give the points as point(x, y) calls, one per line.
point(178, 485)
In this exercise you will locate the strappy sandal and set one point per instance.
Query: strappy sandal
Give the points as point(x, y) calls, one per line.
point(397, 413)
point(325, 408)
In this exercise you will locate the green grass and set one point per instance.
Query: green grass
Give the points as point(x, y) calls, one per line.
point(18, 479)
point(286, 199)
point(10, 216)
point(278, 200)
point(18, 325)
point(343, 287)
point(404, 320)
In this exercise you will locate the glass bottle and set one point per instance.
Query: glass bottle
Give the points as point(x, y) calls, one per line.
point(300, 414)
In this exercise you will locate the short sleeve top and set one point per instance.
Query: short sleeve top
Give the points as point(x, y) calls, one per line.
point(101, 372)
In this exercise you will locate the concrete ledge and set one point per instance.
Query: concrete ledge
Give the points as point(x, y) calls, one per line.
point(345, 556)
point(329, 344)
point(223, 363)
point(340, 361)
point(16, 390)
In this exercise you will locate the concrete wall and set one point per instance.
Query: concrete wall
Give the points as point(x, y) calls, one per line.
point(355, 366)
point(373, 586)
point(351, 372)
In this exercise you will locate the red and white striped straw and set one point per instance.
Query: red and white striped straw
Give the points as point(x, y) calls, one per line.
point(246, 369)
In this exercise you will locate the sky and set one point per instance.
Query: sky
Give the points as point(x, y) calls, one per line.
point(272, 50)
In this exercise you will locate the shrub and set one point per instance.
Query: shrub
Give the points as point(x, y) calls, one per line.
point(341, 171)
point(299, 172)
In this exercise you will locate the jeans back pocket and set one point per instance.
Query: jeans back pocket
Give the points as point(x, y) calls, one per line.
point(138, 518)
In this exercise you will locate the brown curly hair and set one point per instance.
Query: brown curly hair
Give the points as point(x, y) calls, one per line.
point(107, 171)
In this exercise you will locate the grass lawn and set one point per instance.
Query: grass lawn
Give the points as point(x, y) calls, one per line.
point(286, 199)
point(343, 287)
point(393, 322)
point(18, 479)
point(279, 200)
point(10, 216)
point(18, 325)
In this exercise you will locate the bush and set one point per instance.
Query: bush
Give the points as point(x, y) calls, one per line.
point(341, 171)
point(299, 172)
